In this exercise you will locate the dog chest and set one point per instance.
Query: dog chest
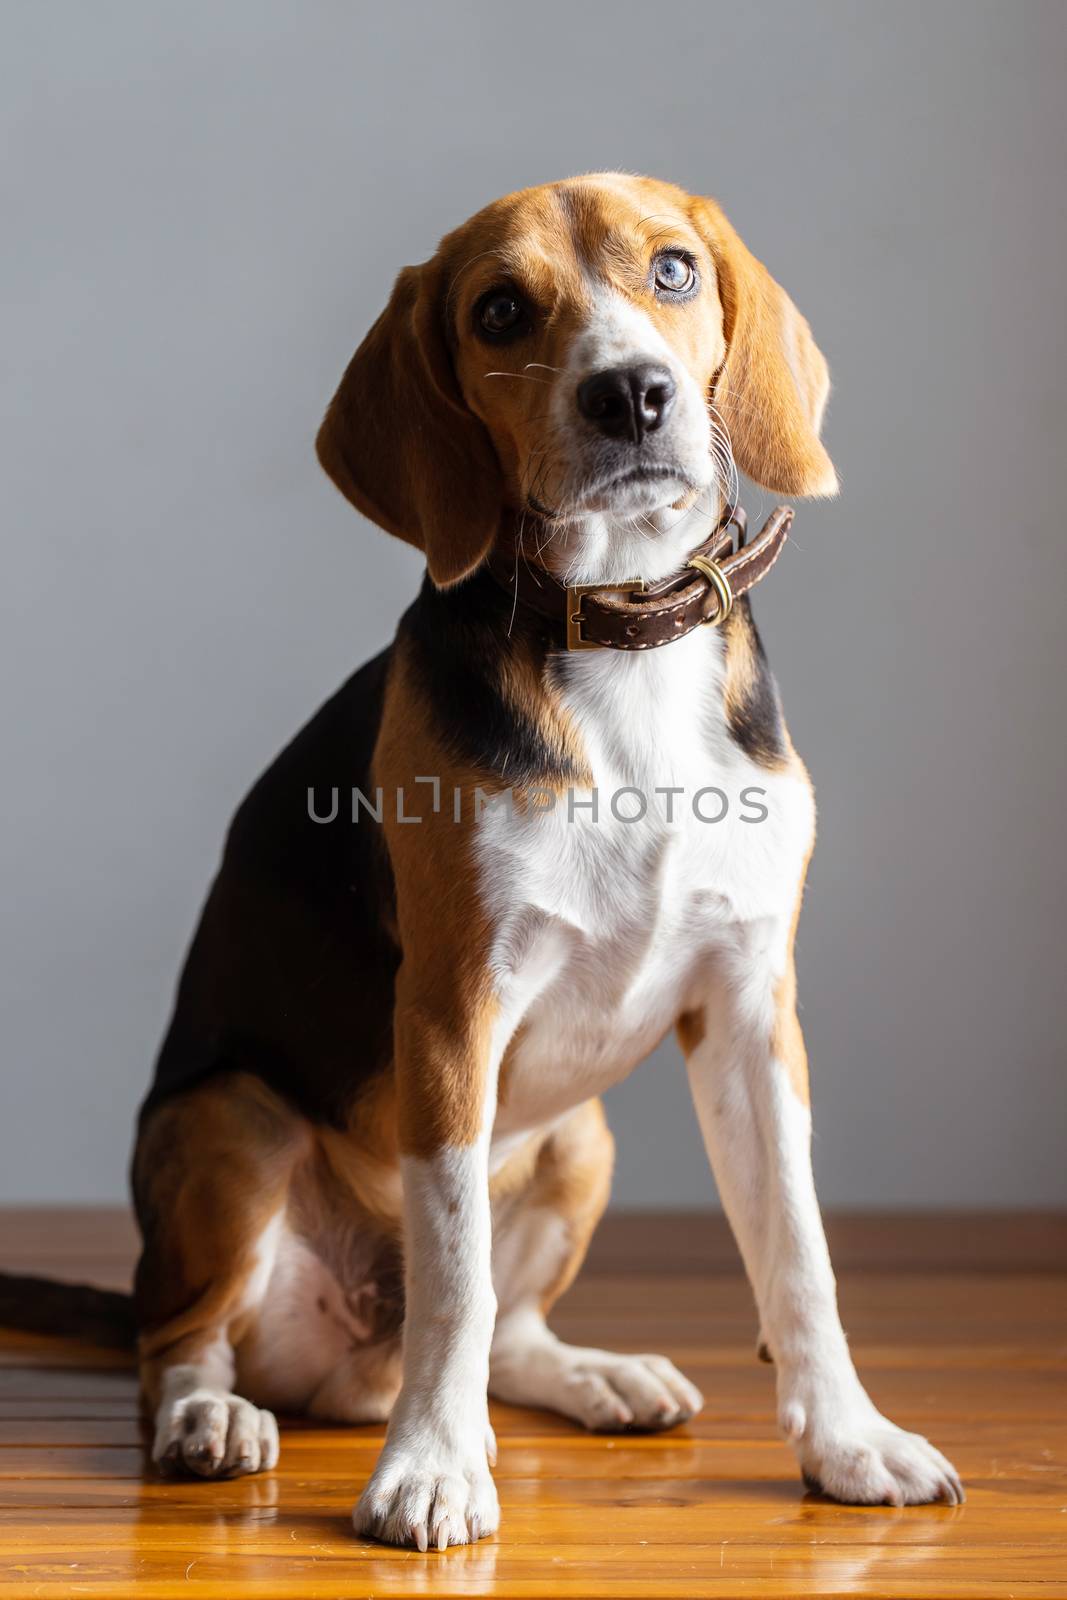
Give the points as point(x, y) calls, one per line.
point(609, 905)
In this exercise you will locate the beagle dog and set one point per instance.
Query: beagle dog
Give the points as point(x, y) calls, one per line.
point(557, 817)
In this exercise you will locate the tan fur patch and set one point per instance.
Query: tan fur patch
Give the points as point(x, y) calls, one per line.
point(741, 685)
point(362, 1158)
point(573, 1178)
point(691, 1028)
point(787, 1039)
point(445, 1005)
point(522, 687)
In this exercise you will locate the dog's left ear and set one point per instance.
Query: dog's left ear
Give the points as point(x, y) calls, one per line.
point(773, 387)
point(401, 444)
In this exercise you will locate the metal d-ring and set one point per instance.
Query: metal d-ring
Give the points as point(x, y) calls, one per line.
point(720, 583)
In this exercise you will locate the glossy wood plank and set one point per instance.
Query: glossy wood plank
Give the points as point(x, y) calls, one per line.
point(977, 1357)
point(643, 1242)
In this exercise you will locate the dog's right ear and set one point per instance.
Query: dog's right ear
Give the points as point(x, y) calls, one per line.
point(773, 386)
point(401, 444)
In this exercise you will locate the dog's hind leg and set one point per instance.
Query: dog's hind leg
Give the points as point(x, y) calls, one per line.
point(537, 1252)
point(211, 1174)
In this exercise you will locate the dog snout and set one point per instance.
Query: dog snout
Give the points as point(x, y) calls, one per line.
point(628, 402)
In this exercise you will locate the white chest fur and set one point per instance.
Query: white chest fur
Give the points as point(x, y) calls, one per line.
point(604, 926)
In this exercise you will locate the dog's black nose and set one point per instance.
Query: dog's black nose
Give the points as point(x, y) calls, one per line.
point(627, 402)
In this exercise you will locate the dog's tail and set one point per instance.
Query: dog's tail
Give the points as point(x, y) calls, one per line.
point(70, 1310)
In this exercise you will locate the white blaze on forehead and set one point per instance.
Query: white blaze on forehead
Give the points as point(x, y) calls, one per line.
point(616, 334)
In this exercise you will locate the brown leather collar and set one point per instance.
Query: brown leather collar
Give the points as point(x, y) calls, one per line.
point(642, 616)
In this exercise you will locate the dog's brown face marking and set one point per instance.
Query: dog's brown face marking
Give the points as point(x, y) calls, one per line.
point(471, 394)
point(558, 254)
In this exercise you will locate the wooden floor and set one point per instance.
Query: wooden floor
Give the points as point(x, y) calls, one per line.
point(975, 1358)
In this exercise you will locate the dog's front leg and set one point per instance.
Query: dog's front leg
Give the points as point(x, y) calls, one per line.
point(432, 1485)
point(748, 1074)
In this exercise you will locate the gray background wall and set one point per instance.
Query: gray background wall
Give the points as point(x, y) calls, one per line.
point(203, 206)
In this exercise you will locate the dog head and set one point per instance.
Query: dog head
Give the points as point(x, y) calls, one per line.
point(596, 352)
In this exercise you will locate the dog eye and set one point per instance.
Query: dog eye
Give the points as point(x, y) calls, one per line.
point(501, 313)
point(674, 273)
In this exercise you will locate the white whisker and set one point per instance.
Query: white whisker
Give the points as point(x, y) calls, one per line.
point(525, 376)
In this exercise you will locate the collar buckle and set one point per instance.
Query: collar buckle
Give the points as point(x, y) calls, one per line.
point(576, 593)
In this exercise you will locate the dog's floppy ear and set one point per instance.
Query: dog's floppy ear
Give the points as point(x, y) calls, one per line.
point(772, 390)
point(400, 443)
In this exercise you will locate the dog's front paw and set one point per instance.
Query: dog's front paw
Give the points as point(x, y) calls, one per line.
point(428, 1499)
point(214, 1434)
point(861, 1458)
